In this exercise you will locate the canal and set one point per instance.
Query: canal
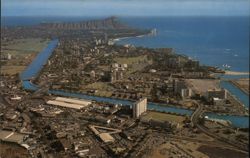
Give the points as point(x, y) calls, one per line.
point(236, 92)
point(35, 67)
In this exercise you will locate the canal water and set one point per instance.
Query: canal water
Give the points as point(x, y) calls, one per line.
point(35, 67)
point(235, 91)
point(41, 59)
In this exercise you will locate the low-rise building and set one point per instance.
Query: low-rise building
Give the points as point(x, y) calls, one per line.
point(218, 101)
point(10, 136)
point(69, 103)
point(117, 71)
point(182, 89)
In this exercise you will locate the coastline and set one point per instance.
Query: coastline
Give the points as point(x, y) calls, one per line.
point(121, 38)
point(138, 36)
point(27, 85)
point(236, 73)
point(237, 85)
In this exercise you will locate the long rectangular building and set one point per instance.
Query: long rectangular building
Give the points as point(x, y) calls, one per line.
point(69, 103)
point(74, 101)
point(63, 104)
point(10, 136)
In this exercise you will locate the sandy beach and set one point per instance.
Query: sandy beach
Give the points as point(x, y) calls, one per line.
point(121, 38)
point(236, 73)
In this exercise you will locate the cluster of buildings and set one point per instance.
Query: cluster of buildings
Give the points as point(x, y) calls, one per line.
point(216, 96)
point(182, 89)
point(179, 61)
point(117, 71)
point(6, 56)
point(68, 127)
point(67, 133)
point(104, 133)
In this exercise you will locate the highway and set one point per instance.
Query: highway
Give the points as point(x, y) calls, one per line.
point(195, 123)
point(206, 142)
point(196, 114)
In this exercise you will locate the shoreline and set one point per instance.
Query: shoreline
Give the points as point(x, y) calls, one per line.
point(30, 87)
point(236, 73)
point(138, 36)
point(121, 38)
point(224, 72)
point(238, 86)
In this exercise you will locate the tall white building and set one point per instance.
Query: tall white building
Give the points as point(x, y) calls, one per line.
point(139, 107)
point(9, 56)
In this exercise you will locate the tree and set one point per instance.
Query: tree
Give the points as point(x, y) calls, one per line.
point(201, 120)
point(154, 93)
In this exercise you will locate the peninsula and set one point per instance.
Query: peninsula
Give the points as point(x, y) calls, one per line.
point(79, 94)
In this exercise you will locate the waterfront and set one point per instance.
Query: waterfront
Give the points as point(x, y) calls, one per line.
point(214, 41)
point(236, 121)
point(124, 79)
point(235, 91)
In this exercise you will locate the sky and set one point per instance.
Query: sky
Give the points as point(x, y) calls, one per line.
point(125, 7)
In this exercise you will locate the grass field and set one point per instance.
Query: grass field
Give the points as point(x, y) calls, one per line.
point(103, 88)
point(23, 52)
point(134, 63)
point(98, 85)
point(12, 151)
point(24, 46)
point(12, 70)
point(164, 117)
point(169, 149)
point(201, 86)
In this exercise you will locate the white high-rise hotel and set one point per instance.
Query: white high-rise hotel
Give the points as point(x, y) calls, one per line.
point(139, 107)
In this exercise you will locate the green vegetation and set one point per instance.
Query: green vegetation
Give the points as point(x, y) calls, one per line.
point(134, 63)
point(99, 85)
point(131, 60)
point(24, 46)
point(164, 117)
point(12, 70)
point(103, 88)
point(23, 52)
point(12, 150)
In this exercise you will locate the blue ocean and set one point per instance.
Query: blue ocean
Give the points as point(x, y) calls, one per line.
point(214, 41)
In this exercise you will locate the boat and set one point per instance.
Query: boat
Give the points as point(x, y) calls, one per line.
point(153, 32)
point(226, 67)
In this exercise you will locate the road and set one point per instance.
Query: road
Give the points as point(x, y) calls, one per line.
point(195, 123)
point(207, 142)
point(196, 114)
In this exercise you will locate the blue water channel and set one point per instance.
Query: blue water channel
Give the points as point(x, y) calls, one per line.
point(235, 91)
point(35, 67)
point(41, 59)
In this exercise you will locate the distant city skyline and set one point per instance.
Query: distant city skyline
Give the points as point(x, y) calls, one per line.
point(125, 8)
